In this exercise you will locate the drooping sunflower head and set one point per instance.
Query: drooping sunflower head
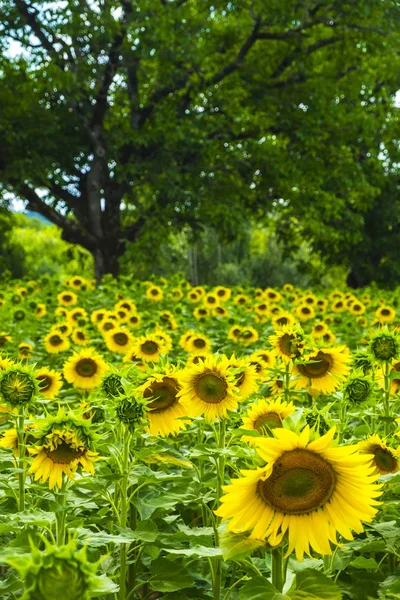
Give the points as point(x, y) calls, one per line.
point(363, 361)
point(208, 388)
point(18, 386)
point(323, 369)
point(130, 411)
point(384, 345)
point(57, 572)
point(265, 415)
point(50, 382)
point(288, 342)
point(308, 491)
point(383, 458)
point(64, 443)
point(111, 384)
point(84, 369)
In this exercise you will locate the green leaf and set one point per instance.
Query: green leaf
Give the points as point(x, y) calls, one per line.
point(311, 584)
point(237, 546)
point(259, 588)
point(167, 576)
point(196, 551)
point(146, 531)
point(103, 585)
point(364, 563)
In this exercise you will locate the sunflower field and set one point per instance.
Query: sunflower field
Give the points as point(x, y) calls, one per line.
point(160, 440)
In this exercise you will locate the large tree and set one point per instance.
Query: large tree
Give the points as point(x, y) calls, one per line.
point(120, 115)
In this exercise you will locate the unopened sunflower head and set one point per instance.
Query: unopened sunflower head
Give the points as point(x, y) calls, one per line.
point(130, 411)
point(111, 384)
point(18, 386)
point(384, 345)
point(58, 572)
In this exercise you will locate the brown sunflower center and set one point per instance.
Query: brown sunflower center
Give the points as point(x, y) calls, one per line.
point(163, 394)
point(267, 421)
point(384, 460)
point(55, 340)
point(301, 481)
point(154, 292)
point(282, 321)
point(120, 338)
point(149, 347)
point(211, 388)
point(385, 312)
point(199, 343)
point(80, 335)
point(319, 367)
point(64, 454)
point(45, 382)
point(109, 325)
point(86, 367)
point(319, 328)
point(288, 344)
point(67, 298)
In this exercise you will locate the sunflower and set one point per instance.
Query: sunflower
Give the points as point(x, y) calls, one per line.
point(64, 443)
point(10, 438)
point(304, 312)
point(267, 357)
point(219, 311)
point(50, 382)
point(107, 325)
point(184, 339)
point(284, 319)
point(80, 337)
point(246, 377)
point(272, 295)
point(193, 296)
point(307, 492)
point(119, 340)
point(67, 299)
point(154, 293)
point(148, 348)
point(394, 381)
point(385, 314)
point(131, 357)
point(209, 388)
point(4, 339)
point(248, 335)
point(338, 306)
point(210, 300)
point(262, 309)
point(324, 369)
point(241, 300)
point(98, 315)
point(56, 342)
point(198, 344)
point(201, 312)
point(61, 312)
point(176, 294)
point(76, 316)
point(309, 299)
point(167, 319)
point(133, 320)
point(319, 329)
point(383, 458)
point(357, 308)
point(164, 408)
point(64, 328)
point(265, 415)
point(288, 342)
point(84, 369)
point(196, 359)
point(321, 305)
point(76, 282)
point(223, 294)
point(234, 333)
point(40, 310)
point(25, 350)
point(5, 363)
point(126, 305)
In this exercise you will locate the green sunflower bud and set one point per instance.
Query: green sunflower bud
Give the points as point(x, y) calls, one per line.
point(59, 572)
point(19, 315)
point(129, 411)
point(112, 385)
point(358, 389)
point(17, 386)
point(363, 361)
point(317, 422)
point(385, 346)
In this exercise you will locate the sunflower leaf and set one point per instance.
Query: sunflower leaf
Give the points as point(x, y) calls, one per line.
point(167, 576)
point(259, 588)
point(313, 585)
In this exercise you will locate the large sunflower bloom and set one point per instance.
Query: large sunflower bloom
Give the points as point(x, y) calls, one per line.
point(164, 408)
point(208, 388)
point(324, 371)
point(308, 490)
point(383, 458)
point(64, 444)
point(85, 369)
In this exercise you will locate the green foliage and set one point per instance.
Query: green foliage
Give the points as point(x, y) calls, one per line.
point(11, 251)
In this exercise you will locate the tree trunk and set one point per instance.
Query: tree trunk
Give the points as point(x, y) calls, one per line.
point(106, 261)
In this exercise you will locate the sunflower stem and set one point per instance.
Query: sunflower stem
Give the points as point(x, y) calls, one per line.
point(286, 383)
point(217, 577)
point(386, 398)
point(277, 569)
point(342, 420)
point(124, 509)
point(21, 458)
point(61, 499)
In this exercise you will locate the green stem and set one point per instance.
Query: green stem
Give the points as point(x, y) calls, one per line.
point(342, 420)
point(277, 569)
point(61, 513)
point(217, 578)
point(386, 398)
point(124, 510)
point(21, 459)
point(286, 383)
point(132, 566)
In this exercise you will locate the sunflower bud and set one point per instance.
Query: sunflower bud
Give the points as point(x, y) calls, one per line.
point(17, 386)
point(58, 572)
point(385, 346)
point(317, 422)
point(112, 385)
point(358, 389)
point(362, 360)
point(129, 411)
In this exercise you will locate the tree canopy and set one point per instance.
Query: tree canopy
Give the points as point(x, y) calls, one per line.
point(120, 116)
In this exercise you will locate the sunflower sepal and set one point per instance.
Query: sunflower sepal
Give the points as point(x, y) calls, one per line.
point(18, 385)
